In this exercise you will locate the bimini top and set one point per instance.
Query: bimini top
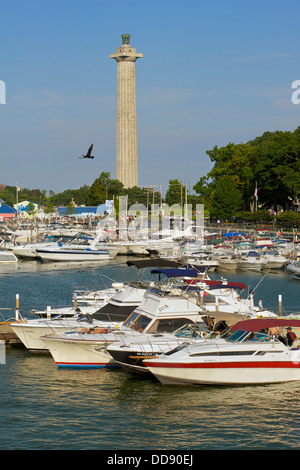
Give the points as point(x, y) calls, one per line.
point(265, 323)
point(150, 263)
point(176, 272)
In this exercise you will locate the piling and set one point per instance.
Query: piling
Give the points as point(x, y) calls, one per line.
point(280, 305)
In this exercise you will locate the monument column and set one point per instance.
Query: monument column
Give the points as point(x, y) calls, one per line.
point(127, 160)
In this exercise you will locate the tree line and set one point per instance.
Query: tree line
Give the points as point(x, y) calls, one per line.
point(268, 164)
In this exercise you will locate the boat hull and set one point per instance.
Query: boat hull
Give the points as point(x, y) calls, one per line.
point(69, 256)
point(30, 335)
point(226, 373)
point(83, 354)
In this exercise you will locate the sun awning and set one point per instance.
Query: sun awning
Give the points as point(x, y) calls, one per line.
point(176, 272)
point(151, 263)
point(265, 323)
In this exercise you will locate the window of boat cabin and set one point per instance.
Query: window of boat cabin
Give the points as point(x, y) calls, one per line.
point(130, 319)
point(168, 325)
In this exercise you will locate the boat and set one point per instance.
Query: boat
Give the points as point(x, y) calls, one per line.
point(6, 256)
point(293, 268)
point(28, 250)
point(113, 304)
point(251, 261)
point(227, 262)
point(245, 357)
point(112, 312)
point(200, 257)
point(130, 352)
point(164, 309)
point(274, 260)
point(73, 253)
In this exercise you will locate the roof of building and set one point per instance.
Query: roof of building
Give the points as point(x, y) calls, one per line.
point(5, 209)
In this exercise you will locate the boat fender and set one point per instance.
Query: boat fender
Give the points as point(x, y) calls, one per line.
point(99, 330)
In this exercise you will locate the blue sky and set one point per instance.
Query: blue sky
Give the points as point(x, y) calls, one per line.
point(213, 72)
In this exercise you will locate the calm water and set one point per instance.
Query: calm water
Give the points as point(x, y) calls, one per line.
point(46, 408)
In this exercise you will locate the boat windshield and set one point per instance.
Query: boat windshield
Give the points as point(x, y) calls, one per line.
point(137, 322)
point(192, 330)
point(239, 335)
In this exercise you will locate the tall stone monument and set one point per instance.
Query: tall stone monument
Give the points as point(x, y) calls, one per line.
point(127, 159)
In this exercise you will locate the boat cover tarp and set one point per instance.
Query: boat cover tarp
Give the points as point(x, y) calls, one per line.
point(217, 284)
point(234, 234)
point(230, 285)
point(166, 263)
point(265, 323)
point(111, 312)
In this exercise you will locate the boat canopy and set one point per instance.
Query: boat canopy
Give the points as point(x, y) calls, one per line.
point(151, 263)
point(176, 272)
point(253, 253)
point(265, 323)
point(160, 262)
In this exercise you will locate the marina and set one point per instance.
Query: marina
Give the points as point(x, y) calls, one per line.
point(149, 229)
point(92, 408)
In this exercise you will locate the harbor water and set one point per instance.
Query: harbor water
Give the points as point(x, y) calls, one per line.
point(46, 408)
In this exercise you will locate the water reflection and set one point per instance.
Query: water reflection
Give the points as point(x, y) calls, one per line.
point(44, 407)
point(102, 409)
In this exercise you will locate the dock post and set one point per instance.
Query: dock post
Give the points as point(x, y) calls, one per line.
point(48, 311)
point(17, 308)
point(280, 305)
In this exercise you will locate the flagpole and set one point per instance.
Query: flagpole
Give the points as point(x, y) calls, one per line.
point(256, 197)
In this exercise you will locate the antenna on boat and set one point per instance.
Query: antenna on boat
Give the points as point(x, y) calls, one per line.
point(253, 290)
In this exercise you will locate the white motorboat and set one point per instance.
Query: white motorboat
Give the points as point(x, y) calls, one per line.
point(220, 305)
point(198, 257)
point(130, 352)
point(73, 253)
point(294, 269)
point(28, 250)
point(227, 262)
point(274, 260)
point(83, 247)
point(113, 304)
point(112, 311)
point(7, 256)
point(251, 261)
point(162, 310)
point(245, 357)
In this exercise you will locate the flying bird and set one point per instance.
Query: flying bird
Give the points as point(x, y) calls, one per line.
point(88, 155)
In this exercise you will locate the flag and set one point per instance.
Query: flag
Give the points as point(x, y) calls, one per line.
point(255, 191)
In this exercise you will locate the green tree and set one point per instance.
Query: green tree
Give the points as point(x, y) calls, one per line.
point(226, 198)
point(235, 161)
point(30, 209)
point(104, 188)
point(277, 167)
point(175, 193)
